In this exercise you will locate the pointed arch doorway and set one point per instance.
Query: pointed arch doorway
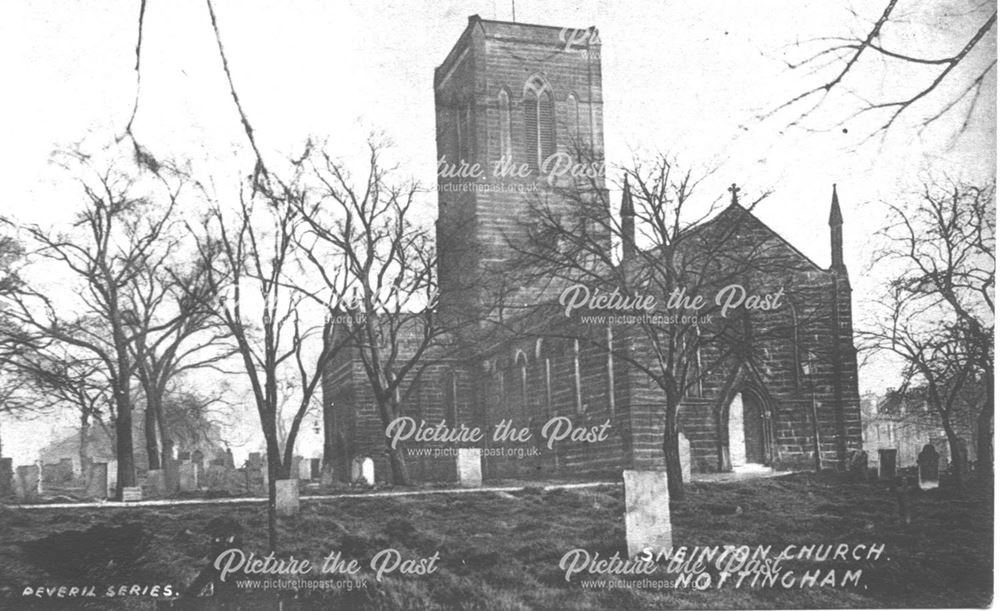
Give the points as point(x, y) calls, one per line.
point(747, 430)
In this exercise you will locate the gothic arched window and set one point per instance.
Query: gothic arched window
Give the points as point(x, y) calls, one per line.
point(573, 116)
point(539, 122)
point(503, 100)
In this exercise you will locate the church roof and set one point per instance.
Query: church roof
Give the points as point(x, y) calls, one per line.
point(736, 211)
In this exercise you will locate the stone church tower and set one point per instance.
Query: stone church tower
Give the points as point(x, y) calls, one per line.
point(514, 104)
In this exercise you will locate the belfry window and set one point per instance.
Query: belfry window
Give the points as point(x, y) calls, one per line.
point(503, 101)
point(539, 122)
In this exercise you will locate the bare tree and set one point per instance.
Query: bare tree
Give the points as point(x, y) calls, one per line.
point(250, 258)
point(938, 314)
point(377, 266)
point(849, 70)
point(174, 334)
point(113, 237)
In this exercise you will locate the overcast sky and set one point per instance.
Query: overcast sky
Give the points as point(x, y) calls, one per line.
point(683, 77)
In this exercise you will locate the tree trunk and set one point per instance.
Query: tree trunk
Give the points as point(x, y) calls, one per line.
point(166, 443)
point(84, 434)
point(123, 441)
point(984, 432)
point(671, 451)
point(958, 458)
point(272, 502)
point(397, 462)
point(152, 447)
point(275, 471)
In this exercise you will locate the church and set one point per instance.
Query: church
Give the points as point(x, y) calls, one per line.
point(778, 389)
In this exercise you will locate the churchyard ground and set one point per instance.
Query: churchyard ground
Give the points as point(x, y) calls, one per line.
point(503, 550)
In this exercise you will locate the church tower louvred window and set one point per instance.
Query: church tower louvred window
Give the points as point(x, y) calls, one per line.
point(503, 101)
point(539, 122)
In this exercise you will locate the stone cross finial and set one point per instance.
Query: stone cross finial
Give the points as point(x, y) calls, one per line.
point(734, 190)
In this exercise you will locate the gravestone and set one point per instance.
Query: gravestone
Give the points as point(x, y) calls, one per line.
point(65, 469)
point(50, 473)
point(255, 460)
point(363, 471)
point(171, 476)
point(928, 464)
point(156, 483)
point(17, 487)
point(327, 476)
point(857, 465)
point(941, 446)
point(112, 478)
point(228, 459)
point(887, 464)
point(469, 465)
point(286, 497)
point(684, 447)
point(647, 512)
point(198, 460)
point(97, 481)
point(6, 476)
point(131, 494)
point(216, 477)
point(188, 477)
point(255, 480)
point(29, 482)
point(296, 469)
point(315, 468)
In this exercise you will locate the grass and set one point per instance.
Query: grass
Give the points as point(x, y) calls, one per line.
point(502, 550)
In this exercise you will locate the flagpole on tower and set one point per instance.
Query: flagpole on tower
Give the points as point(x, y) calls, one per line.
point(513, 11)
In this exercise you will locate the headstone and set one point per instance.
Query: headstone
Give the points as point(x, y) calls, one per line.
point(131, 494)
point(928, 464)
point(941, 446)
point(112, 478)
point(216, 477)
point(171, 476)
point(647, 511)
point(6, 476)
point(887, 464)
point(97, 480)
point(50, 473)
point(39, 480)
point(188, 477)
point(255, 460)
point(327, 477)
point(228, 459)
point(857, 465)
point(256, 483)
point(315, 468)
point(198, 458)
point(469, 464)
point(296, 468)
point(65, 469)
point(287, 497)
point(684, 447)
point(363, 471)
point(156, 483)
point(29, 480)
point(77, 467)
